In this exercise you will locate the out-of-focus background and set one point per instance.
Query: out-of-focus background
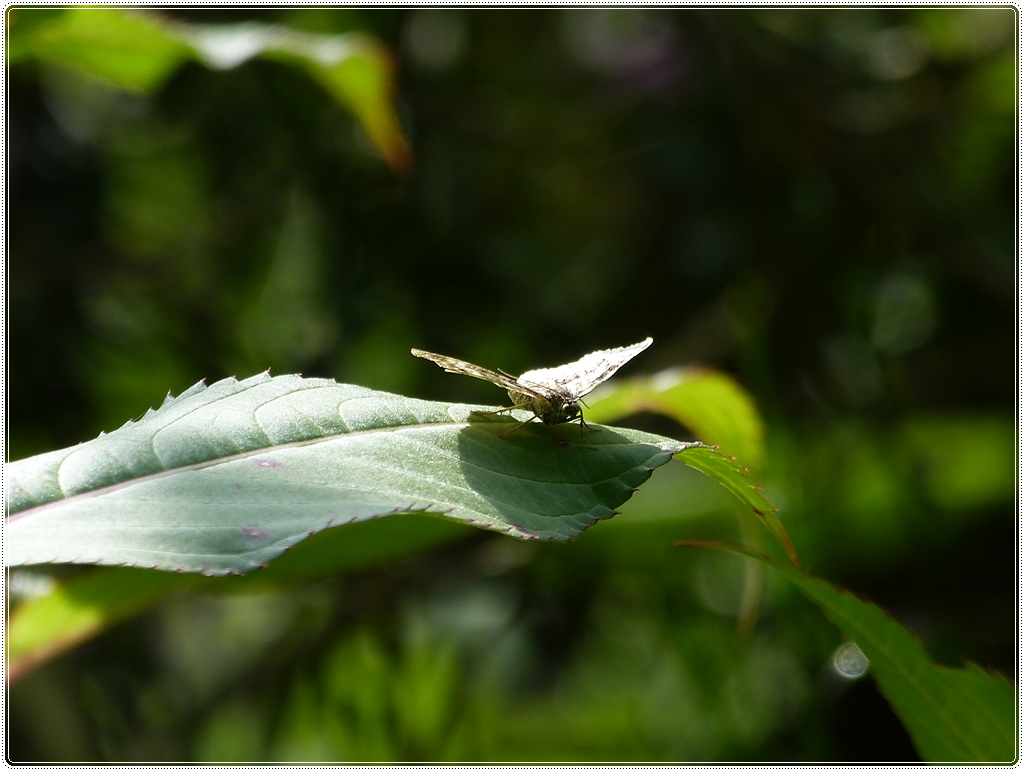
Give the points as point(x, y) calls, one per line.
point(819, 202)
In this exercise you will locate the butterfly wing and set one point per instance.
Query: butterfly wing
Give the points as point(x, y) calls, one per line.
point(459, 367)
point(576, 380)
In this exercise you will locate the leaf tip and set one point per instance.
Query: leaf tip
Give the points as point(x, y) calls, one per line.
point(791, 553)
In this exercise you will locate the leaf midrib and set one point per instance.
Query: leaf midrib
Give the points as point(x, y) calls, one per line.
point(915, 683)
point(241, 456)
point(215, 462)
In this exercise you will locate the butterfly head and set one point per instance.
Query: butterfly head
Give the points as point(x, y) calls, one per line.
point(554, 411)
point(571, 410)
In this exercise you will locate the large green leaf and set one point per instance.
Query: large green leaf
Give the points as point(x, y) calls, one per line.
point(207, 427)
point(137, 51)
point(952, 715)
point(223, 479)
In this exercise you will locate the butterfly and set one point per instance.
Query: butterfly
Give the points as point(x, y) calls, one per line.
point(553, 395)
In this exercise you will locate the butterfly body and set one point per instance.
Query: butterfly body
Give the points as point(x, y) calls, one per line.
point(551, 409)
point(553, 395)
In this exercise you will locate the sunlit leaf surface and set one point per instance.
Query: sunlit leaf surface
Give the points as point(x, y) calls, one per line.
point(223, 479)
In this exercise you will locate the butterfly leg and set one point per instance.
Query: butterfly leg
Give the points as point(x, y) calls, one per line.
point(502, 436)
point(508, 409)
point(583, 428)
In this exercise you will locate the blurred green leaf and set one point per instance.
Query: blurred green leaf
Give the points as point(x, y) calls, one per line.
point(129, 49)
point(963, 460)
point(365, 84)
point(138, 51)
point(235, 733)
point(79, 609)
point(733, 477)
point(84, 606)
point(347, 719)
point(223, 479)
point(966, 33)
point(718, 411)
point(21, 23)
point(953, 715)
point(996, 83)
point(354, 68)
point(709, 403)
point(373, 703)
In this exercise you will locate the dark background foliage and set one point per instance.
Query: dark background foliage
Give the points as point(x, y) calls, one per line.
point(820, 202)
